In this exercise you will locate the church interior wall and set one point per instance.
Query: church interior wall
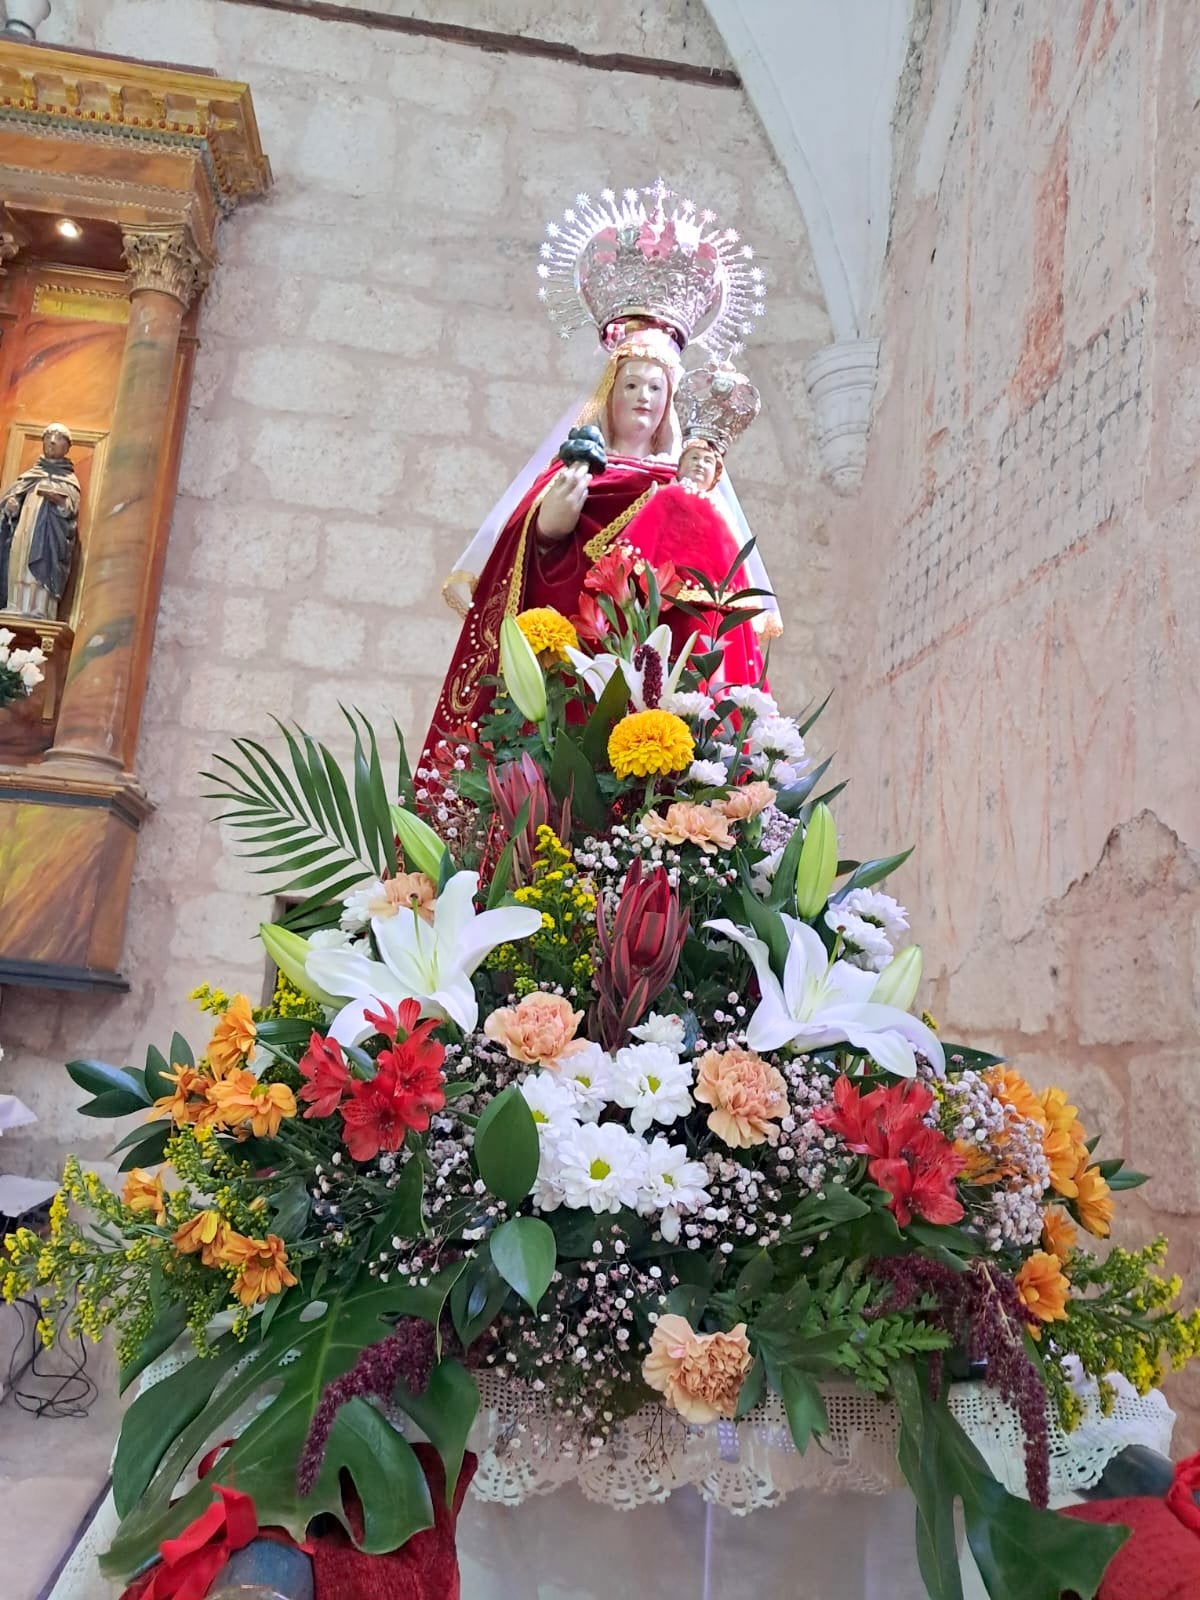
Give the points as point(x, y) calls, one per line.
point(373, 367)
point(1021, 569)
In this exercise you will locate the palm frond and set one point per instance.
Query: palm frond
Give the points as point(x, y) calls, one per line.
point(315, 829)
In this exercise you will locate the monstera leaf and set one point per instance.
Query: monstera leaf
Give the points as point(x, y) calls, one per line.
point(170, 1426)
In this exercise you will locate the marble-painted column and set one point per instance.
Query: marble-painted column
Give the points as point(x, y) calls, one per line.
point(165, 273)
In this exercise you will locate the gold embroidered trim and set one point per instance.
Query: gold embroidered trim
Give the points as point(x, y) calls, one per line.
point(517, 580)
point(599, 542)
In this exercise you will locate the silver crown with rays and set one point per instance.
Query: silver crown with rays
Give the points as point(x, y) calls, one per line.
point(651, 254)
point(716, 404)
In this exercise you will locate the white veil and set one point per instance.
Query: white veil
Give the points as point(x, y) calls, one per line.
point(471, 563)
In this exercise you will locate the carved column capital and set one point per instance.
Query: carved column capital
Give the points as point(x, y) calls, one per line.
point(841, 385)
point(165, 259)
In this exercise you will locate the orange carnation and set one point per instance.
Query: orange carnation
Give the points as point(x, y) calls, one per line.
point(699, 1374)
point(747, 1095)
point(145, 1193)
point(688, 823)
point(1043, 1290)
point(240, 1098)
point(1059, 1234)
point(1093, 1200)
point(747, 800)
point(262, 1268)
point(539, 1031)
point(233, 1037)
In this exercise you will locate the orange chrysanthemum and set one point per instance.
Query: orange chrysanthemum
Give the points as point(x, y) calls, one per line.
point(142, 1192)
point(647, 743)
point(1093, 1200)
point(1059, 1234)
point(240, 1098)
point(1063, 1141)
point(206, 1234)
point(233, 1037)
point(1011, 1089)
point(262, 1268)
point(188, 1105)
point(1043, 1290)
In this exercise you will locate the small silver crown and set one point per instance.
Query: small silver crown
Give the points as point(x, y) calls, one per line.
point(716, 404)
point(639, 257)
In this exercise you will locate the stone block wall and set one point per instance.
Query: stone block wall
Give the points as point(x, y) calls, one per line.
point(374, 367)
point(1022, 567)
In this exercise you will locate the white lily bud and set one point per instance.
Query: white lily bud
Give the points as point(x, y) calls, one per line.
point(897, 985)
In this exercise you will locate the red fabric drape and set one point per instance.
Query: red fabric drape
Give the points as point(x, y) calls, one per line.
point(1161, 1561)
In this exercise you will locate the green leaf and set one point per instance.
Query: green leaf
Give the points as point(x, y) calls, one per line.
point(953, 1247)
point(476, 1299)
point(751, 1391)
point(122, 1090)
point(918, 1458)
point(754, 1277)
point(181, 1052)
point(506, 1147)
point(155, 1419)
point(572, 777)
point(803, 1403)
point(292, 1206)
point(364, 1444)
point(150, 1150)
point(688, 1300)
point(812, 717)
point(297, 1360)
point(168, 1326)
point(610, 708)
point(445, 1413)
point(498, 887)
point(1127, 1178)
point(154, 1075)
point(402, 1217)
point(524, 1253)
point(869, 872)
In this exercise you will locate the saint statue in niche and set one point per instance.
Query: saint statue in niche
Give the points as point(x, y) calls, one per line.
point(39, 520)
point(652, 277)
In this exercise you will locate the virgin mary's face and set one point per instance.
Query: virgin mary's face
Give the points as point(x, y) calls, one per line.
point(637, 406)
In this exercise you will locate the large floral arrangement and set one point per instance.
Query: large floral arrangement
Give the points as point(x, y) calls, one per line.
point(591, 1065)
point(20, 670)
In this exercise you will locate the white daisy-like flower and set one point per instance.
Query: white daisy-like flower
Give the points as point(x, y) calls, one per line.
point(762, 874)
point(358, 906)
point(547, 1192)
point(709, 774)
point(783, 773)
point(864, 944)
point(778, 737)
point(673, 1184)
point(552, 1103)
point(586, 1074)
point(600, 1167)
point(693, 705)
point(658, 1029)
point(652, 1083)
point(879, 908)
point(329, 939)
point(756, 701)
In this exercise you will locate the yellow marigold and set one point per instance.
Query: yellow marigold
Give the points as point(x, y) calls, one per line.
point(262, 1268)
point(1093, 1200)
point(549, 633)
point(647, 743)
point(142, 1192)
point(205, 1234)
point(1059, 1234)
point(1043, 1290)
point(1011, 1089)
point(233, 1037)
point(240, 1098)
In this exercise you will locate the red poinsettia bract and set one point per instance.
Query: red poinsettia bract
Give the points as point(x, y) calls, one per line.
point(915, 1164)
point(404, 1093)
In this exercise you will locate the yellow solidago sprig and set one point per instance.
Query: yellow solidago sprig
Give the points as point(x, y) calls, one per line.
point(549, 633)
point(648, 744)
point(560, 952)
point(1121, 1317)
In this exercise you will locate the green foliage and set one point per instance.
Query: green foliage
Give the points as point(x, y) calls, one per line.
point(506, 1147)
point(524, 1253)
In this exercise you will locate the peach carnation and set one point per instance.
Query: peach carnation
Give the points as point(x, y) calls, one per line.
point(747, 801)
point(407, 891)
point(539, 1031)
point(699, 1374)
point(747, 1095)
point(687, 823)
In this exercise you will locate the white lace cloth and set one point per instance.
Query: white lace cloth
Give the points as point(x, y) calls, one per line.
point(523, 1452)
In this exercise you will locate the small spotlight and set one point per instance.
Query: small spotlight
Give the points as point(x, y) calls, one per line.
point(69, 229)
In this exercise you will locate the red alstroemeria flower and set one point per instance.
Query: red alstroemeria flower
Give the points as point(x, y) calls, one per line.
point(878, 1124)
point(665, 576)
point(590, 623)
point(921, 1182)
point(327, 1077)
point(404, 1093)
point(613, 574)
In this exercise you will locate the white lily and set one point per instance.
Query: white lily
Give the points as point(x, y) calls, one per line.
point(821, 1003)
point(431, 963)
point(597, 670)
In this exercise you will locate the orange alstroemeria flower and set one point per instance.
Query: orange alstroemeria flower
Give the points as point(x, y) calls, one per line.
point(206, 1234)
point(240, 1097)
point(1059, 1234)
point(142, 1192)
point(262, 1268)
point(1043, 1289)
point(233, 1037)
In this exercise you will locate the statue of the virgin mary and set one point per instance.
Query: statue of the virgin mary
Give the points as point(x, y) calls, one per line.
point(651, 280)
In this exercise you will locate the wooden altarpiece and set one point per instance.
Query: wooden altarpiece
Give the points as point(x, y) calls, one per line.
point(114, 177)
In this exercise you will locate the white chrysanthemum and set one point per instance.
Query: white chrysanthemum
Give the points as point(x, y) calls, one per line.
point(864, 944)
point(356, 907)
point(329, 939)
point(600, 1167)
point(756, 701)
point(552, 1103)
point(547, 1192)
point(777, 737)
point(652, 1083)
point(762, 874)
point(586, 1074)
point(673, 1184)
point(711, 774)
point(658, 1029)
point(881, 909)
point(693, 705)
point(783, 773)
